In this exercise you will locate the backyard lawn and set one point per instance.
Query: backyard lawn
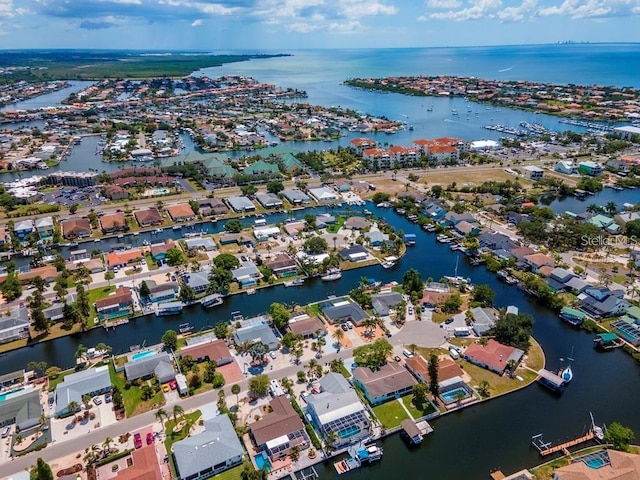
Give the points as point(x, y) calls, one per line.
point(427, 408)
point(234, 473)
point(132, 397)
point(390, 414)
point(97, 294)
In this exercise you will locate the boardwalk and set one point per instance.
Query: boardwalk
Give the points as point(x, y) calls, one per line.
point(546, 448)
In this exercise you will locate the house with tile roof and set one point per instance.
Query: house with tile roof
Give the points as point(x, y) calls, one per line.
point(141, 465)
point(389, 381)
point(279, 431)
point(123, 258)
point(207, 348)
point(148, 217)
point(75, 228)
point(181, 212)
point(493, 356)
point(113, 222)
point(116, 305)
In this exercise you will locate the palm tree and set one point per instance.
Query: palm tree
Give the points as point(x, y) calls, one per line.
point(161, 414)
point(338, 335)
point(311, 366)
point(177, 411)
point(107, 444)
point(73, 406)
point(611, 208)
point(235, 389)
point(321, 342)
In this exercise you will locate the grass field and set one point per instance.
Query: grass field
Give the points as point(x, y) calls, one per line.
point(444, 177)
point(390, 414)
point(234, 473)
point(427, 408)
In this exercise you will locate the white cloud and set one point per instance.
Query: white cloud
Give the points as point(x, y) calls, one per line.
point(518, 13)
point(196, 23)
point(593, 8)
point(349, 27)
point(201, 7)
point(302, 27)
point(476, 9)
point(364, 8)
point(6, 9)
point(450, 4)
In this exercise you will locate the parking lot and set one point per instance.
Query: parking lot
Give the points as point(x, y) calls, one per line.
point(84, 196)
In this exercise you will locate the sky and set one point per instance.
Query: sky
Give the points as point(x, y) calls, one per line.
point(255, 25)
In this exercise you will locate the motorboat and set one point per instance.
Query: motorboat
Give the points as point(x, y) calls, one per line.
point(331, 275)
point(298, 282)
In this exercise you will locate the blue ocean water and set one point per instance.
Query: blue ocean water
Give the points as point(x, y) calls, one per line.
point(321, 73)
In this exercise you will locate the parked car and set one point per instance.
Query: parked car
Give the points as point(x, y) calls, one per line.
point(273, 355)
point(137, 440)
point(344, 327)
point(107, 398)
point(449, 320)
point(97, 400)
point(173, 385)
point(165, 387)
point(149, 438)
point(349, 324)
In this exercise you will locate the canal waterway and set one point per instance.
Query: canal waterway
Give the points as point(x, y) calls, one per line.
point(465, 445)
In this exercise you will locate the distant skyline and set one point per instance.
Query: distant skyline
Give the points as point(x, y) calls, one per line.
point(210, 25)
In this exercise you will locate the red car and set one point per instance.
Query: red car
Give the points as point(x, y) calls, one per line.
point(173, 384)
point(137, 440)
point(149, 438)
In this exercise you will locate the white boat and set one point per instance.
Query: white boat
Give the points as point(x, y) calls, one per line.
point(298, 282)
point(331, 275)
point(598, 431)
point(177, 227)
point(566, 373)
point(389, 262)
point(211, 300)
point(444, 238)
point(251, 291)
point(158, 230)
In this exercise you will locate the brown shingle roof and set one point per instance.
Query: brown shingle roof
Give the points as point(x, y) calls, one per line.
point(121, 296)
point(307, 326)
point(281, 421)
point(388, 379)
point(75, 227)
point(113, 220)
point(148, 216)
point(215, 351)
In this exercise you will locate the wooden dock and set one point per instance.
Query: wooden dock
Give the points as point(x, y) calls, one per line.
point(546, 448)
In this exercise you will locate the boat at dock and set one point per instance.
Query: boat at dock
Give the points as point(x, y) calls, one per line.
point(444, 238)
point(251, 291)
point(331, 275)
point(212, 300)
point(389, 262)
point(185, 328)
point(169, 308)
point(298, 282)
point(572, 316)
point(597, 430)
point(359, 455)
point(607, 341)
point(566, 373)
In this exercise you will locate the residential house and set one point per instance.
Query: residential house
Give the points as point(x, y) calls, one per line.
point(54, 313)
point(533, 173)
point(258, 332)
point(123, 258)
point(354, 253)
point(389, 381)
point(605, 223)
point(21, 407)
point(198, 281)
point(628, 326)
point(181, 212)
point(279, 431)
point(493, 356)
point(376, 238)
point(537, 260)
point(44, 227)
point(343, 309)
point(295, 196)
point(465, 228)
point(207, 348)
point(246, 274)
point(447, 369)
point(75, 228)
point(93, 381)
point(158, 365)
point(116, 305)
point(615, 465)
point(602, 302)
point(337, 411)
point(48, 273)
point(269, 200)
point(566, 166)
point(590, 168)
point(383, 303)
point(141, 465)
point(212, 206)
point(200, 243)
point(323, 194)
point(239, 238)
point(452, 218)
point(159, 250)
point(113, 222)
point(148, 217)
point(15, 325)
point(212, 451)
point(306, 326)
point(283, 265)
point(357, 223)
point(484, 319)
point(163, 292)
point(23, 228)
point(241, 204)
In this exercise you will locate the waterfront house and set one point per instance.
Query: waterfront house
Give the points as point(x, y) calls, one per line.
point(181, 212)
point(283, 265)
point(323, 194)
point(269, 200)
point(121, 259)
point(387, 382)
point(590, 168)
point(537, 260)
point(337, 411)
point(238, 238)
point(295, 196)
point(383, 303)
point(354, 253)
point(465, 228)
point(496, 241)
point(212, 206)
point(163, 292)
point(247, 274)
point(44, 227)
point(211, 451)
point(113, 222)
point(566, 166)
point(158, 364)
point(21, 407)
point(342, 309)
point(612, 465)
point(376, 238)
point(493, 356)
point(200, 243)
point(148, 217)
point(207, 348)
point(23, 228)
point(48, 273)
point(306, 326)
point(93, 381)
point(279, 431)
point(241, 204)
point(533, 173)
point(451, 219)
point(159, 250)
point(116, 305)
point(263, 234)
point(602, 302)
point(198, 281)
point(484, 319)
point(447, 369)
point(75, 228)
point(257, 332)
point(54, 312)
point(14, 324)
point(357, 223)
point(628, 326)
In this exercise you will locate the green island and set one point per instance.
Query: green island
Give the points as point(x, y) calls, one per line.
point(34, 66)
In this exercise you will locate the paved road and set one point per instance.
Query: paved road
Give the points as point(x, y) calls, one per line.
point(69, 447)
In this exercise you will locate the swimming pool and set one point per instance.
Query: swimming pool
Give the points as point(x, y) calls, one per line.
point(349, 432)
point(262, 461)
point(141, 355)
point(4, 396)
point(452, 395)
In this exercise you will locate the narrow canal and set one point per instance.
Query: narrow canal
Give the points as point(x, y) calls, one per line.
point(465, 445)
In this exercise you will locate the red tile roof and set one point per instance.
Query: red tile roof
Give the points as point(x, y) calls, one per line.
point(494, 354)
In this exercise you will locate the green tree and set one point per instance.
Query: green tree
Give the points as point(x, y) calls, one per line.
point(11, 287)
point(233, 225)
point(275, 186)
point(177, 411)
point(280, 316)
point(226, 261)
point(373, 355)
point(74, 208)
point(235, 389)
point(452, 304)
point(144, 289)
point(315, 245)
point(514, 330)
point(108, 276)
point(248, 190)
point(170, 340)
point(483, 295)
point(258, 385)
point(82, 301)
point(41, 471)
point(432, 369)
point(412, 282)
point(619, 436)
point(187, 294)
point(175, 257)
point(419, 394)
point(195, 206)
